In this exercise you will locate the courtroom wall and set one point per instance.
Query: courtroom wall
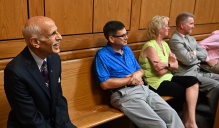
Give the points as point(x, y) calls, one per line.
point(80, 22)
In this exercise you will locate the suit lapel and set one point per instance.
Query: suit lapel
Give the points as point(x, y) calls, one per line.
point(34, 71)
point(186, 42)
point(53, 76)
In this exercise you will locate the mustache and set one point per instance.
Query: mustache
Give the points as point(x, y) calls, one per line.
point(56, 43)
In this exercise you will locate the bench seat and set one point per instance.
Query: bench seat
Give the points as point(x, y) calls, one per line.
point(94, 116)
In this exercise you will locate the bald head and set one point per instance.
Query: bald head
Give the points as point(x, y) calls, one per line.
point(41, 36)
point(35, 26)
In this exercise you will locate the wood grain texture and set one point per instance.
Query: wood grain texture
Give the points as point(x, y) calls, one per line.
point(13, 14)
point(88, 104)
point(80, 22)
point(71, 16)
point(4, 106)
point(106, 10)
point(179, 6)
point(204, 10)
point(36, 8)
point(215, 17)
point(151, 8)
point(67, 54)
point(135, 14)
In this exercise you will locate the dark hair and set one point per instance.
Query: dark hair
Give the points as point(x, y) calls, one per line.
point(111, 28)
point(183, 17)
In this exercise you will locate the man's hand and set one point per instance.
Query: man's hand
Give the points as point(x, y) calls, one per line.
point(191, 52)
point(172, 62)
point(135, 78)
point(212, 62)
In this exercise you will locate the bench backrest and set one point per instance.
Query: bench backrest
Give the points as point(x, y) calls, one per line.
point(79, 86)
point(78, 81)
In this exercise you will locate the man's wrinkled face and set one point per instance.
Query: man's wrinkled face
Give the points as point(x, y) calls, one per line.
point(50, 38)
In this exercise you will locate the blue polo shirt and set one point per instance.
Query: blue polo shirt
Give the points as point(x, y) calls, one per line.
point(110, 64)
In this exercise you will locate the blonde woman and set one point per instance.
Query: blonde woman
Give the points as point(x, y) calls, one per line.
point(158, 61)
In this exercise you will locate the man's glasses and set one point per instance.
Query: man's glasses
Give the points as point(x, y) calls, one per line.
point(123, 35)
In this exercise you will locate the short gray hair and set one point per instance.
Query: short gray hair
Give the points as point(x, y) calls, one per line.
point(30, 31)
point(183, 17)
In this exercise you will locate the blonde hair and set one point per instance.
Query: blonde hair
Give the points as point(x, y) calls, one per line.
point(154, 26)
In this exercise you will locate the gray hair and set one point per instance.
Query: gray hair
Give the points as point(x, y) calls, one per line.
point(30, 31)
point(183, 17)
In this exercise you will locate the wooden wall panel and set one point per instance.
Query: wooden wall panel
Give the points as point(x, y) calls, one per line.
point(71, 16)
point(13, 14)
point(204, 10)
point(36, 8)
point(179, 6)
point(105, 10)
point(216, 12)
point(135, 15)
point(9, 49)
point(151, 8)
point(4, 105)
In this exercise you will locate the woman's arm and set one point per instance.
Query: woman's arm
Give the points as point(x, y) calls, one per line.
point(160, 67)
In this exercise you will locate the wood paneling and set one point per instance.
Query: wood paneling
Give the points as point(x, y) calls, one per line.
point(10, 49)
point(36, 8)
point(205, 29)
point(82, 41)
point(151, 8)
point(71, 16)
point(105, 10)
point(135, 15)
point(81, 22)
point(4, 105)
point(204, 10)
point(179, 6)
point(216, 12)
point(13, 14)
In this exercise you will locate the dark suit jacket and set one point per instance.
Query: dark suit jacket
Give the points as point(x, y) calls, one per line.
point(33, 105)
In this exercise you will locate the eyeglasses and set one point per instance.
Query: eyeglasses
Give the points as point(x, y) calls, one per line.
point(123, 35)
point(166, 26)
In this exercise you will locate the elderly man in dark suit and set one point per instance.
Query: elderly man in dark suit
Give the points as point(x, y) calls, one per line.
point(32, 80)
point(189, 55)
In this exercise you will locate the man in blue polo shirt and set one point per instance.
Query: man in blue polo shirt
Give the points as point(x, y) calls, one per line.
point(119, 72)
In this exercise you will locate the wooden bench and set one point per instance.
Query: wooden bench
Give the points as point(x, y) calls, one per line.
point(89, 105)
